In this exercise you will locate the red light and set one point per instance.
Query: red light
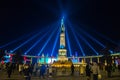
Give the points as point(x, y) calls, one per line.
point(25, 58)
point(2, 62)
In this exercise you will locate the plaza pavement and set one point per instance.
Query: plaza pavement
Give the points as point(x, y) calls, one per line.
point(16, 76)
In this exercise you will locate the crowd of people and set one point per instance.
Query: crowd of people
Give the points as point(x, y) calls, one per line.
point(28, 70)
point(94, 69)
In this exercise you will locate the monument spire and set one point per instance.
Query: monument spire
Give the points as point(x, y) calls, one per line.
point(62, 51)
point(62, 34)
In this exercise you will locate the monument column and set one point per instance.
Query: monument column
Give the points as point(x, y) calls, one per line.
point(62, 56)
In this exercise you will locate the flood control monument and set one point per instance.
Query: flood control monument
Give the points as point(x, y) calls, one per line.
point(62, 52)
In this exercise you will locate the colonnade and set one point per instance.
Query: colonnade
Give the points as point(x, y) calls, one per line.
point(79, 59)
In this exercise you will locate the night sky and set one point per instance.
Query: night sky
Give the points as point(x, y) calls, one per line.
point(20, 17)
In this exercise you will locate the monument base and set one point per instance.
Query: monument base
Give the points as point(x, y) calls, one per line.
point(62, 58)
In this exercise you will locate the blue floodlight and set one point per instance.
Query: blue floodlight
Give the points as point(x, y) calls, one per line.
point(92, 38)
point(68, 42)
point(16, 40)
point(79, 44)
point(27, 41)
point(46, 42)
point(35, 43)
point(55, 42)
point(81, 37)
point(105, 37)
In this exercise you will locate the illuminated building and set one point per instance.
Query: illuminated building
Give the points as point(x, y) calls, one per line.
point(62, 53)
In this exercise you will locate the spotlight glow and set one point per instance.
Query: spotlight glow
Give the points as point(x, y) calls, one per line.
point(16, 40)
point(27, 41)
point(81, 37)
point(68, 43)
point(88, 35)
point(26, 52)
point(46, 43)
point(55, 43)
point(76, 39)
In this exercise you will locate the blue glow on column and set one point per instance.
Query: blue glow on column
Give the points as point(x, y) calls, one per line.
point(62, 46)
point(62, 21)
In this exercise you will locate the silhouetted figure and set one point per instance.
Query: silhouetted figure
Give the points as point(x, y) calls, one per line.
point(35, 69)
point(109, 70)
point(113, 67)
point(13, 67)
point(27, 73)
point(20, 68)
point(31, 69)
point(50, 71)
point(42, 71)
point(72, 69)
point(118, 64)
point(9, 69)
point(95, 71)
point(0, 66)
point(88, 71)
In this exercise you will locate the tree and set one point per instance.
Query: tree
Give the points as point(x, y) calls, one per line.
point(106, 55)
point(117, 49)
point(17, 57)
point(1, 54)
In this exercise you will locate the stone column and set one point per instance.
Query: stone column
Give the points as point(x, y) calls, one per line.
point(90, 59)
point(113, 59)
point(84, 60)
point(105, 63)
point(31, 60)
point(78, 59)
point(98, 59)
point(51, 59)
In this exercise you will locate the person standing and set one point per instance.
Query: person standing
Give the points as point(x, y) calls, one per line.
point(35, 69)
point(20, 69)
point(95, 71)
point(42, 71)
point(118, 61)
point(88, 71)
point(72, 69)
point(27, 72)
point(0, 65)
point(50, 71)
point(9, 69)
point(109, 70)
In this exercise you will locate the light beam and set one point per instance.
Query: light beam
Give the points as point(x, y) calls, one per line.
point(68, 42)
point(27, 41)
point(46, 43)
point(79, 44)
point(55, 43)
